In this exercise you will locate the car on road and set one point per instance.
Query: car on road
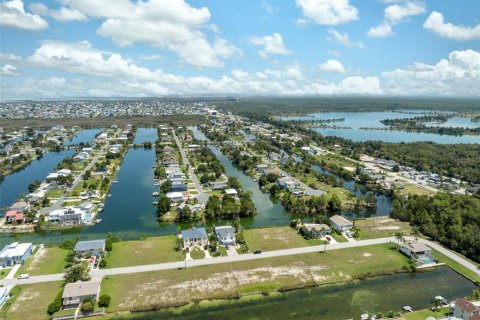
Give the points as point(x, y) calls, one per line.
point(257, 252)
point(23, 276)
point(328, 238)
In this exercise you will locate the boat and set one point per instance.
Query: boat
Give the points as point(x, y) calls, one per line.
point(155, 194)
point(155, 203)
point(109, 195)
point(115, 181)
point(98, 220)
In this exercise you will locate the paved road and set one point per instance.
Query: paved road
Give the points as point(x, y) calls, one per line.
point(309, 191)
point(202, 196)
point(244, 257)
point(78, 179)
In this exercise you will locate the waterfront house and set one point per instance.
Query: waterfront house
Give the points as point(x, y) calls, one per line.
point(167, 150)
point(20, 206)
point(178, 186)
point(66, 216)
point(218, 185)
point(412, 248)
point(13, 216)
point(225, 235)
point(261, 167)
point(100, 172)
point(340, 223)
point(169, 161)
point(274, 172)
point(287, 183)
point(194, 237)
point(74, 293)
point(15, 253)
point(91, 246)
point(175, 196)
point(174, 172)
point(317, 230)
point(231, 192)
point(466, 310)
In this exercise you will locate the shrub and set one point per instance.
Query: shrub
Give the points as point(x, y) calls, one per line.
point(104, 300)
point(56, 305)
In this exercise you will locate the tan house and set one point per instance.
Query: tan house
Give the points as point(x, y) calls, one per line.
point(75, 293)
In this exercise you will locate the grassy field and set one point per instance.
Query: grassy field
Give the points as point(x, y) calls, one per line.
point(172, 287)
point(197, 254)
point(55, 193)
point(139, 252)
point(338, 237)
point(33, 301)
point(424, 314)
point(268, 239)
point(45, 261)
point(381, 227)
point(456, 266)
point(412, 189)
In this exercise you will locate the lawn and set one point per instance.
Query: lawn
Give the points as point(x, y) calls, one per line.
point(381, 227)
point(413, 189)
point(172, 287)
point(197, 253)
point(268, 239)
point(456, 266)
point(45, 261)
point(33, 301)
point(55, 193)
point(425, 313)
point(140, 252)
point(338, 237)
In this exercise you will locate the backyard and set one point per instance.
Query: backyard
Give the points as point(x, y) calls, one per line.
point(176, 287)
point(45, 261)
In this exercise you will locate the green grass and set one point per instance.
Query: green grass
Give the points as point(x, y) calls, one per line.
point(456, 266)
point(141, 290)
point(425, 313)
point(338, 237)
point(49, 261)
point(33, 301)
point(4, 273)
point(268, 239)
point(140, 252)
point(54, 193)
point(197, 253)
point(372, 228)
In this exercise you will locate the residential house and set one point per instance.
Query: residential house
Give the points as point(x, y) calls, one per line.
point(174, 172)
point(225, 235)
point(340, 223)
point(178, 186)
point(317, 230)
point(15, 253)
point(274, 156)
point(218, 185)
point(193, 207)
point(13, 216)
point(419, 252)
point(91, 246)
point(74, 293)
point(100, 172)
point(169, 161)
point(194, 237)
point(193, 147)
point(66, 216)
point(261, 167)
point(274, 172)
point(287, 183)
point(466, 310)
point(175, 196)
point(231, 192)
point(167, 150)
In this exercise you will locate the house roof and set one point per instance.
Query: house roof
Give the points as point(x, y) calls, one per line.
point(340, 221)
point(90, 245)
point(466, 305)
point(80, 289)
point(415, 246)
point(231, 191)
point(316, 226)
point(225, 231)
point(15, 249)
point(194, 233)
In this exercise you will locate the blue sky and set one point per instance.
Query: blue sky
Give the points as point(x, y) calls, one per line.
point(102, 48)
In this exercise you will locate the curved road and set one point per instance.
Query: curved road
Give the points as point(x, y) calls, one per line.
point(244, 257)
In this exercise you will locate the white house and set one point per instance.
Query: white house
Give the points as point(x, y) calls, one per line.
point(175, 196)
point(15, 253)
point(66, 216)
point(340, 223)
point(225, 235)
point(466, 310)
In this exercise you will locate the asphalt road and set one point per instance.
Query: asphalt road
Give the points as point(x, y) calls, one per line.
point(244, 257)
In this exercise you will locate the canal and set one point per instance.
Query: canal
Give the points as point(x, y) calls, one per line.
point(343, 301)
point(84, 136)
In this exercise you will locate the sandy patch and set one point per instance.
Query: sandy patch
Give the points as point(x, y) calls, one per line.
point(366, 254)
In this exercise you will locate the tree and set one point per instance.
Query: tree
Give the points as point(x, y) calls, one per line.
point(88, 305)
point(33, 186)
point(166, 186)
point(416, 232)
point(75, 273)
point(233, 183)
point(334, 204)
point(104, 300)
point(399, 237)
point(56, 305)
point(184, 215)
point(396, 168)
point(164, 204)
point(370, 199)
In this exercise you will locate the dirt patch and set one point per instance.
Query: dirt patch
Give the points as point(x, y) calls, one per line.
point(39, 257)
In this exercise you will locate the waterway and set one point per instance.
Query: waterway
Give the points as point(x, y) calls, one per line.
point(84, 136)
point(356, 120)
point(343, 301)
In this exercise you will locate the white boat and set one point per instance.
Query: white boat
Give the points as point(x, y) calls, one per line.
point(115, 181)
point(155, 203)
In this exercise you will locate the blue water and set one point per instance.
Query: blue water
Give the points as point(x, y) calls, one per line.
point(357, 120)
point(84, 136)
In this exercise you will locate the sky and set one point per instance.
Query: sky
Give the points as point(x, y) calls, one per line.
point(154, 48)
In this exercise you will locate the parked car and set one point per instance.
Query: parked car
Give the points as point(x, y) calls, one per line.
point(23, 276)
point(257, 252)
point(328, 238)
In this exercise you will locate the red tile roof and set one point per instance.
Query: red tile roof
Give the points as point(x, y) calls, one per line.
point(466, 305)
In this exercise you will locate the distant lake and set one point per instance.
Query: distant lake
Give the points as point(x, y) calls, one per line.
point(356, 120)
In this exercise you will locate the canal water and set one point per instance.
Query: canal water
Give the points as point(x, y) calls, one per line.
point(343, 301)
point(356, 120)
point(85, 136)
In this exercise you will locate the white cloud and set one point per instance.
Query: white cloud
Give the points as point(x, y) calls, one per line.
point(173, 25)
point(394, 14)
point(343, 39)
point(38, 8)
point(9, 70)
point(9, 57)
point(327, 12)
point(271, 45)
point(13, 14)
point(269, 8)
point(436, 24)
point(332, 66)
point(457, 76)
point(349, 86)
point(66, 14)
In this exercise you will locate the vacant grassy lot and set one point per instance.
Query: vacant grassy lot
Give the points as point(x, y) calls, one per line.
point(412, 189)
point(268, 239)
point(45, 261)
point(33, 301)
point(381, 227)
point(139, 252)
point(170, 287)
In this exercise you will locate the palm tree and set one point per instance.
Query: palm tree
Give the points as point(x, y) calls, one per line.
point(416, 232)
point(325, 245)
point(399, 237)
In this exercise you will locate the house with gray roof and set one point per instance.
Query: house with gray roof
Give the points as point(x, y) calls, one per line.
point(225, 235)
point(340, 223)
point(194, 237)
point(74, 293)
point(92, 246)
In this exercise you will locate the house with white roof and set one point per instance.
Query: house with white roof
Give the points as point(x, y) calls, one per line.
point(15, 253)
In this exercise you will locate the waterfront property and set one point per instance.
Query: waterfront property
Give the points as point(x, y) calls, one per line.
point(194, 237)
point(340, 223)
point(13, 216)
point(15, 253)
point(74, 293)
point(418, 251)
point(225, 235)
point(317, 230)
point(466, 310)
point(92, 246)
